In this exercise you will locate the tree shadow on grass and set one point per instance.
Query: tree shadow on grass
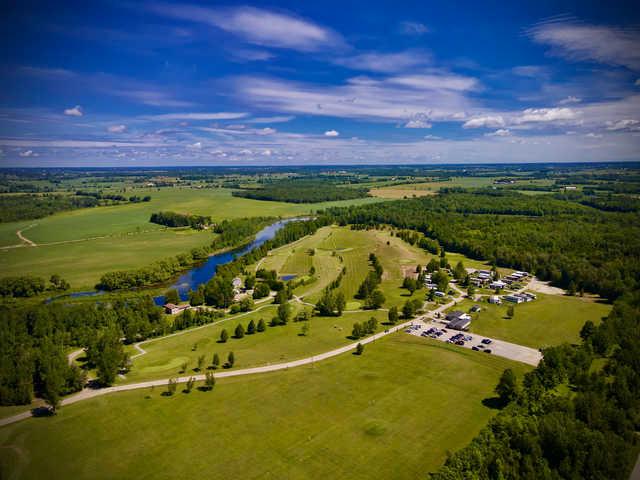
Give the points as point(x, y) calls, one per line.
point(42, 412)
point(494, 403)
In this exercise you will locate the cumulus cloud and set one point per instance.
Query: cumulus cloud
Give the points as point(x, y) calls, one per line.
point(267, 152)
point(413, 28)
point(417, 123)
point(117, 128)
point(581, 42)
point(257, 26)
point(331, 133)
point(74, 112)
point(488, 121)
point(501, 132)
point(569, 99)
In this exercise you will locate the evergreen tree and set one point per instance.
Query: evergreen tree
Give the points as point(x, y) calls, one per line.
point(261, 326)
point(284, 313)
point(507, 388)
point(216, 361)
point(359, 349)
point(251, 327)
point(231, 359)
point(356, 332)
point(200, 363)
point(239, 333)
point(224, 336)
point(209, 381)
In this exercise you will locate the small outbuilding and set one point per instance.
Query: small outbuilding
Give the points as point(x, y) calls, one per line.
point(172, 309)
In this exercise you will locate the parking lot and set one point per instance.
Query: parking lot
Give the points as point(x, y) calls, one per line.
point(473, 341)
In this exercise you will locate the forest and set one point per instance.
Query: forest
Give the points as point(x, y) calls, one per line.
point(572, 245)
point(302, 191)
point(588, 432)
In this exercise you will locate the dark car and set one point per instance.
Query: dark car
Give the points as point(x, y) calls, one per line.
point(460, 342)
point(487, 350)
point(486, 341)
point(475, 348)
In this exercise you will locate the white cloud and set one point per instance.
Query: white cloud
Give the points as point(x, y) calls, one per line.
point(385, 62)
point(117, 128)
point(569, 99)
point(593, 135)
point(546, 115)
point(637, 82)
point(197, 116)
point(432, 137)
point(626, 124)
point(196, 146)
point(275, 119)
point(74, 112)
point(258, 26)
point(413, 28)
point(488, 121)
point(501, 132)
point(266, 152)
point(28, 153)
point(435, 82)
point(266, 131)
point(580, 42)
point(529, 70)
point(417, 123)
point(331, 133)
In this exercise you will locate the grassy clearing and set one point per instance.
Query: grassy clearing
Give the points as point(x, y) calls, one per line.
point(276, 344)
point(428, 188)
point(549, 320)
point(348, 417)
point(82, 263)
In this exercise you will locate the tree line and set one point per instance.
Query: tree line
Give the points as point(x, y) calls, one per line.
point(302, 191)
point(173, 219)
point(557, 240)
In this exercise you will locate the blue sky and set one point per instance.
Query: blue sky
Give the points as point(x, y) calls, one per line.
point(166, 83)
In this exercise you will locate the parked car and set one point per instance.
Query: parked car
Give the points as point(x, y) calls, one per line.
point(487, 350)
point(460, 342)
point(486, 341)
point(475, 348)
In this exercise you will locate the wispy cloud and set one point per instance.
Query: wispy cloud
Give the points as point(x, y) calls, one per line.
point(256, 25)
point(116, 128)
point(197, 116)
point(413, 28)
point(385, 62)
point(581, 41)
point(274, 119)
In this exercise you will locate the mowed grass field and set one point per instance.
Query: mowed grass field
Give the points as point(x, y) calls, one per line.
point(82, 263)
point(392, 413)
point(277, 344)
point(548, 320)
point(97, 240)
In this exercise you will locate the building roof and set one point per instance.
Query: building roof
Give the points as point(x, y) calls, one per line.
point(459, 323)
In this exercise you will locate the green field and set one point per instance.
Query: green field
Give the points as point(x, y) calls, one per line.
point(394, 412)
point(549, 320)
point(275, 345)
point(102, 239)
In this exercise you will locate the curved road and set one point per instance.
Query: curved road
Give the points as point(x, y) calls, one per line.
point(88, 393)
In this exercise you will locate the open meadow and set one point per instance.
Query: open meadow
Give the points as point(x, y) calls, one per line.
point(393, 412)
point(81, 245)
point(548, 320)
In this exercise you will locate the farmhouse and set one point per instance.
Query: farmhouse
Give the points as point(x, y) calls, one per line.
point(458, 320)
point(172, 309)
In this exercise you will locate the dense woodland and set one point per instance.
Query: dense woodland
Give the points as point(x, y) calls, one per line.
point(303, 191)
point(590, 432)
point(568, 243)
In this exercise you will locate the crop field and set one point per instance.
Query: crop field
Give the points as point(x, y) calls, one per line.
point(83, 244)
point(393, 412)
point(277, 344)
point(548, 320)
